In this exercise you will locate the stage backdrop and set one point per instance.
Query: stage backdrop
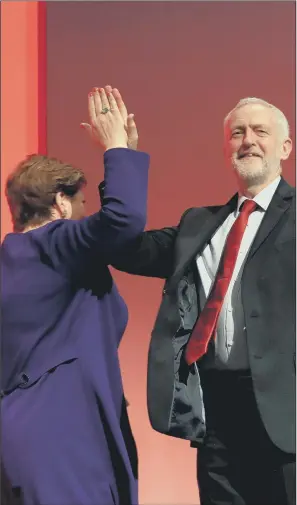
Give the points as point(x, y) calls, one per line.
point(180, 67)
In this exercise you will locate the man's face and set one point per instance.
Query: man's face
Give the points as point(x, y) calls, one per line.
point(255, 144)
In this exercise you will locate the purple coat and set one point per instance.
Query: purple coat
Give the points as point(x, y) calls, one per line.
point(66, 438)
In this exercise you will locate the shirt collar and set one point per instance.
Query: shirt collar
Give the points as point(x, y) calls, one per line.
point(263, 198)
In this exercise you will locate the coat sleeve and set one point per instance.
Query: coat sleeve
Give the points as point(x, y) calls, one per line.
point(151, 254)
point(122, 218)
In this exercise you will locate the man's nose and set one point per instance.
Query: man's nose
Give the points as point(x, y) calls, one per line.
point(248, 138)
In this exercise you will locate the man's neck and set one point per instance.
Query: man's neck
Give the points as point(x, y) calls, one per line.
point(251, 190)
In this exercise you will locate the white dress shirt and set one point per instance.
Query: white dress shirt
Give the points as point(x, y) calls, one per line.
point(230, 342)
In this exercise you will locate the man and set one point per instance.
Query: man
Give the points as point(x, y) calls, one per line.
point(221, 369)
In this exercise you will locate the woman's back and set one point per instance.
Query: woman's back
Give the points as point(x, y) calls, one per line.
point(65, 432)
point(36, 301)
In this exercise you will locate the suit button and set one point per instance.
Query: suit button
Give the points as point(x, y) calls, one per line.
point(254, 313)
point(256, 356)
point(164, 291)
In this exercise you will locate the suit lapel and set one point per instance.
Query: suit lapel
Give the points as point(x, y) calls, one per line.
point(207, 225)
point(212, 218)
point(279, 204)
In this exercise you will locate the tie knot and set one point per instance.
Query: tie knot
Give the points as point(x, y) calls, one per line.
point(248, 206)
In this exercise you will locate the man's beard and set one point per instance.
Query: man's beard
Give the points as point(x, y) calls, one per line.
point(254, 175)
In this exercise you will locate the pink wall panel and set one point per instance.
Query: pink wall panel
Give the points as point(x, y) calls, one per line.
point(23, 100)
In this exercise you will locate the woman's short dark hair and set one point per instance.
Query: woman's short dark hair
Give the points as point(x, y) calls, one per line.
point(32, 187)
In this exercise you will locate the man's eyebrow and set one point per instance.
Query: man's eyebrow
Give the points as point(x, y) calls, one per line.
point(256, 125)
point(236, 127)
point(261, 125)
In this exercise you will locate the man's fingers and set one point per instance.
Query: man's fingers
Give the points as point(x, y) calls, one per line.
point(132, 132)
point(130, 122)
point(131, 128)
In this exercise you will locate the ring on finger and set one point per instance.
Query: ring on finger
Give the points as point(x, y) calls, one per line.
point(105, 110)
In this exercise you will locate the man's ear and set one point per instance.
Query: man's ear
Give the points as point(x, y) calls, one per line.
point(286, 149)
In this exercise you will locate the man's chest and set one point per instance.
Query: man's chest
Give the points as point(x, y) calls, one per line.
point(209, 259)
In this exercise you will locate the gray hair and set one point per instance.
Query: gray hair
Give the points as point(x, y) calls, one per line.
point(280, 117)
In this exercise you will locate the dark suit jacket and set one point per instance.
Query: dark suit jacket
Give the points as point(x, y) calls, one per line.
point(268, 296)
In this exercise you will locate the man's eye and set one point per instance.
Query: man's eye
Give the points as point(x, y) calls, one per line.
point(236, 133)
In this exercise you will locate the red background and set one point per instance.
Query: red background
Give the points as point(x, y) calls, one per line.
point(181, 66)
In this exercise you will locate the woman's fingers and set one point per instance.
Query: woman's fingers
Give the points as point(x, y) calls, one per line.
point(104, 101)
point(92, 108)
point(120, 103)
point(112, 103)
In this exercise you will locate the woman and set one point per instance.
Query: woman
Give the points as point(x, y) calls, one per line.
point(66, 438)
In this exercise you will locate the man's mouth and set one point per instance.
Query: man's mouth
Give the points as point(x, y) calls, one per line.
point(249, 155)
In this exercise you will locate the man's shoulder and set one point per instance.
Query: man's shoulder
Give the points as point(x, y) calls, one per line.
point(199, 212)
point(284, 182)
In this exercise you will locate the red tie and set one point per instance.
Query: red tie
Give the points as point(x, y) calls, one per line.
point(205, 326)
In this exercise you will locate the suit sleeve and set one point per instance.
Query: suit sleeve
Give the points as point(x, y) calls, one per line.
point(121, 219)
point(151, 254)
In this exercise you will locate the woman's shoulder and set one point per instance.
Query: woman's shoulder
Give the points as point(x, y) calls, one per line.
point(15, 237)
